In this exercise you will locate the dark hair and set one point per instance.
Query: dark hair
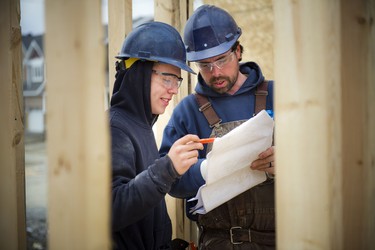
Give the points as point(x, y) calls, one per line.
point(234, 47)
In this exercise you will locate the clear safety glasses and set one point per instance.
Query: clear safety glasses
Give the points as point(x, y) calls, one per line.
point(169, 80)
point(220, 63)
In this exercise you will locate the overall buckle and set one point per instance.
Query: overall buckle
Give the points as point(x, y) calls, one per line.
point(232, 233)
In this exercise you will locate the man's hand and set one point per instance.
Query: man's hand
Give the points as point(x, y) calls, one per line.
point(184, 153)
point(265, 162)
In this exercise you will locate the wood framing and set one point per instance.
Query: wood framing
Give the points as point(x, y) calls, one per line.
point(119, 25)
point(77, 134)
point(12, 160)
point(358, 123)
point(324, 72)
point(175, 13)
point(324, 113)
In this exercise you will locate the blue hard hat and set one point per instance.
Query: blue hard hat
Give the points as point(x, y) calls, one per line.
point(209, 32)
point(155, 41)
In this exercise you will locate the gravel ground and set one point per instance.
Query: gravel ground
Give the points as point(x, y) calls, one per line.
point(36, 228)
point(36, 191)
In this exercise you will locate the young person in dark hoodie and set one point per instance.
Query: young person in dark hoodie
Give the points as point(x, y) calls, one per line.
point(248, 220)
point(148, 75)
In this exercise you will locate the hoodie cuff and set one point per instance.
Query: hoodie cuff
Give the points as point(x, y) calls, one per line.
point(163, 174)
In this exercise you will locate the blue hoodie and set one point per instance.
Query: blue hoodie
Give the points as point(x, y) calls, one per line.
point(187, 119)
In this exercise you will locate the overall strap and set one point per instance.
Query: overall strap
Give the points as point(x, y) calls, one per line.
point(261, 97)
point(210, 114)
point(208, 111)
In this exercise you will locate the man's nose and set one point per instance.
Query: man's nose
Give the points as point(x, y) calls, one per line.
point(215, 71)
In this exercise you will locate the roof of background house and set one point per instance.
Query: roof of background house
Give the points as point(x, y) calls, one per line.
point(27, 39)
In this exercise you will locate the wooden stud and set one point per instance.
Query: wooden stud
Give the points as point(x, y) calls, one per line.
point(324, 93)
point(119, 26)
point(77, 127)
point(12, 160)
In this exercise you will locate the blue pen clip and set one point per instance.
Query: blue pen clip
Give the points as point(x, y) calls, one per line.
point(270, 113)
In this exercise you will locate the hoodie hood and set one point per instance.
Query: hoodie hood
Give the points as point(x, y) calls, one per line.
point(131, 92)
point(254, 78)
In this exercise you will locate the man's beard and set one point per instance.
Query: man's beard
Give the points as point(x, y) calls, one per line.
point(222, 90)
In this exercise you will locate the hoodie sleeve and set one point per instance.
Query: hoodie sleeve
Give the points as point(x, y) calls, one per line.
point(135, 195)
point(188, 185)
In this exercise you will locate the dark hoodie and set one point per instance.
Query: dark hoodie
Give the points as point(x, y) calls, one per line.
point(140, 179)
point(187, 119)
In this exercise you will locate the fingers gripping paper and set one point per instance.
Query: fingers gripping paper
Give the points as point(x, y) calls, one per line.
point(228, 163)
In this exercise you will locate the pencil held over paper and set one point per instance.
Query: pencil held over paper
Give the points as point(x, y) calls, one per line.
point(228, 164)
point(206, 140)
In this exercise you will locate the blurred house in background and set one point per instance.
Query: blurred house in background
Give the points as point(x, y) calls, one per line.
point(34, 78)
point(34, 82)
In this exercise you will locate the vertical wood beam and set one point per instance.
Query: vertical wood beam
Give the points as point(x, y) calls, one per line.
point(176, 14)
point(77, 127)
point(369, 171)
point(167, 12)
point(324, 72)
point(119, 26)
point(308, 112)
point(12, 160)
point(358, 123)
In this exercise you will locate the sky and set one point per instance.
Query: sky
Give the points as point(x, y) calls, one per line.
point(32, 17)
point(32, 13)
